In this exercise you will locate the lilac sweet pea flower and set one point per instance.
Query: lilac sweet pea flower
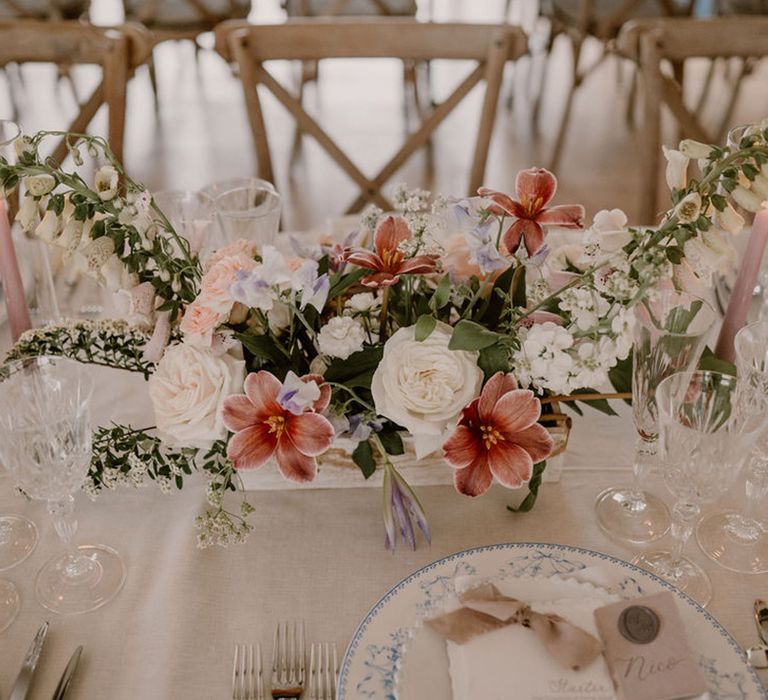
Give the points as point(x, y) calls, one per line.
point(314, 289)
point(401, 502)
point(482, 248)
point(253, 291)
point(296, 396)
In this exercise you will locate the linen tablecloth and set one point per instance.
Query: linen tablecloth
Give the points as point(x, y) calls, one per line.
point(316, 555)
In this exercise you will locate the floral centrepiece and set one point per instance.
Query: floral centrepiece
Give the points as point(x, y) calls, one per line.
point(454, 322)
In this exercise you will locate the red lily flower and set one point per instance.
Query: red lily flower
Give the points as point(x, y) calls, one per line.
point(263, 427)
point(388, 261)
point(497, 436)
point(535, 188)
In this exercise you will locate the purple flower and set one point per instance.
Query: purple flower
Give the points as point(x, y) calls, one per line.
point(482, 248)
point(401, 507)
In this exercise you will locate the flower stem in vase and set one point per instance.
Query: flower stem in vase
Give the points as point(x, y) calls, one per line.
point(741, 296)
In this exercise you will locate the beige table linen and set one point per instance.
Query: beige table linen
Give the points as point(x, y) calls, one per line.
point(317, 555)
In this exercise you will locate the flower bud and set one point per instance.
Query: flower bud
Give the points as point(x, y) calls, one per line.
point(694, 149)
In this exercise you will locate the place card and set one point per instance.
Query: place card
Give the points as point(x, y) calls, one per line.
point(647, 651)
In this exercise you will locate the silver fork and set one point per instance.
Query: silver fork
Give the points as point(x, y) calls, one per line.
point(288, 660)
point(247, 673)
point(323, 671)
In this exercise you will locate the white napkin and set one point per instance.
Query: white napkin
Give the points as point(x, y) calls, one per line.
point(511, 663)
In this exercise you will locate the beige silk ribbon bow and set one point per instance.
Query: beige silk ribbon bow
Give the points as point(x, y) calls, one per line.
point(485, 609)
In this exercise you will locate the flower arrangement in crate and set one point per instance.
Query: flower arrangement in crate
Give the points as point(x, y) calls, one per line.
point(459, 323)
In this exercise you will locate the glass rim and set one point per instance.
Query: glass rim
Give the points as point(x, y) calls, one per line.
point(723, 378)
point(8, 368)
point(250, 212)
point(14, 125)
point(741, 334)
point(234, 183)
point(692, 297)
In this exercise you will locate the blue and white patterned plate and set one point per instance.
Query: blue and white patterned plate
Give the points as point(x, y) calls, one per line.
point(374, 657)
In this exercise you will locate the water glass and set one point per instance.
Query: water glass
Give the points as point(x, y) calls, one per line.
point(739, 541)
point(708, 425)
point(46, 444)
point(191, 215)
point(670, 332)
point(251, 212)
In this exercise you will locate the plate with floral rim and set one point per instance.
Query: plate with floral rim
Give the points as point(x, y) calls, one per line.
point(374, 658)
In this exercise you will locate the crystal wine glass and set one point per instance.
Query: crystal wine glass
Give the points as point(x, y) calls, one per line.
point(670, 332)
point(18, 535)
point(708, 424)
point(191, 215)
point(45, 420)
point(739, 541)
point(251, 212)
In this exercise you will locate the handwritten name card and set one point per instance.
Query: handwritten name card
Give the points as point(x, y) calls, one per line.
point(647, 651)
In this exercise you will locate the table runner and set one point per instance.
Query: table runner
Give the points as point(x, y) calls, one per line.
point(318, 555)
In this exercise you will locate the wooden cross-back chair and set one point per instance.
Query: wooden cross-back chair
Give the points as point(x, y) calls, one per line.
point(119, 51)
point(579, 20)
point(653, 43)
point(489, 46)
point(183, 19)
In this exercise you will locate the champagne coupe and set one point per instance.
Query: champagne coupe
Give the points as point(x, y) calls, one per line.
point(45, 421)
point(18, 535)
point(739, 541)
point(670, 332)
point(708, 424)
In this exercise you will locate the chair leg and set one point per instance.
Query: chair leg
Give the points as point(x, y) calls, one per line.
point(153, 79)
point(557, 150)
point(629, 114)
point(745, 69)
point(538, 95)
point(707, 86)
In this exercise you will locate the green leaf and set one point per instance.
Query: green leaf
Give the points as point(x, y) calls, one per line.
point(518, 287)
point(533, 486)
point(719, 202)
point(359, 363)
point(711, 363)
point(392, 442)
point(750, 171)
point(468, 335)
point(675, 255)
point(345, 281)
point(621, 376)
point(363, 458)
point(494, 358)
point(601, 405)
point(492, 311)
point(424, 327)
point(261, 346)
point(442, 294)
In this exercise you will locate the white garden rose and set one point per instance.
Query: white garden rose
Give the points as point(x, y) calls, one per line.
point(188, 389)
point(341, 337)
point(423, 386)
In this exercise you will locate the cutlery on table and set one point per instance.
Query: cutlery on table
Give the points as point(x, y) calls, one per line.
point(323, 671)
point(66, 677)
point(288, 660)
point(757, 656)
point(247, 673)
point(27, 672)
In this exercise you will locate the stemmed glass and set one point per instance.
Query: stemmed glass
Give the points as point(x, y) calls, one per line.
point(737, 541)
point(45, 421)
point(18, 535)
point(708, 424)
point(191, 214)
point(670, 332)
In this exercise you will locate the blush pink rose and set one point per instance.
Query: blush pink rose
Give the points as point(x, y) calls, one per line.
point(216, 282)
point(234, 249)
point(199, 323)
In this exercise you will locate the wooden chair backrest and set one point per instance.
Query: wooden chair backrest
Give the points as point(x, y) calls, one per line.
point(652, 43)
point(200, 13)
point(338, 8)
point(119, 51)
point(490, 46)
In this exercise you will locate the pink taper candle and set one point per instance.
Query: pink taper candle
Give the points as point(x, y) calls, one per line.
point(741, 296)
point(13, 288)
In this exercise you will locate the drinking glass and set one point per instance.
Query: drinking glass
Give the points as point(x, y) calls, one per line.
point(251, 212)
point(18, 535)
point(708, 424)
point(739, 541)
point(191, 215)
point(670, 332)
point(46, 443)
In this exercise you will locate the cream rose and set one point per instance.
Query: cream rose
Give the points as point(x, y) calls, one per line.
point(188, 389)
point(423, 386)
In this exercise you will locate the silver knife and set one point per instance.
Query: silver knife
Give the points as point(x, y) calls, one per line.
point(24, 679)
point(66, 678)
